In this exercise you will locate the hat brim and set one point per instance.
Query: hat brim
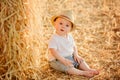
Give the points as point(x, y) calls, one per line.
point(54, 17)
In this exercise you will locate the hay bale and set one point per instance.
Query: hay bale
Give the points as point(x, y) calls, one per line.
point(20, 39)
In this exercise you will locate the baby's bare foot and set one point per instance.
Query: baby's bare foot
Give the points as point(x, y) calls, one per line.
point(94, 71)
point(88, 74)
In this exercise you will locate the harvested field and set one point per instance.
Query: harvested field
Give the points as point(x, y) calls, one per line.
point(25, 30)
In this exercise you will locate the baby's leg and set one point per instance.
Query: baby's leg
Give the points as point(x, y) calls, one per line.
point(84, 66)
point(75, 71)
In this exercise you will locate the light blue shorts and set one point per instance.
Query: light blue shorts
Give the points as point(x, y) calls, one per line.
point(61, 67)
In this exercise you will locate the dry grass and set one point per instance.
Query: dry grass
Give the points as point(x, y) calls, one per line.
point(25, 29)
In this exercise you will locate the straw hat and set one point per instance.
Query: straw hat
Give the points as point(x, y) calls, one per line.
point(68, 15)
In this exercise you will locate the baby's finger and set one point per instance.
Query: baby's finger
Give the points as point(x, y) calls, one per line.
point(75, 59)
point(79, 61)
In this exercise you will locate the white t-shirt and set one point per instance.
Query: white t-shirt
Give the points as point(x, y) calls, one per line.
point(64, 46)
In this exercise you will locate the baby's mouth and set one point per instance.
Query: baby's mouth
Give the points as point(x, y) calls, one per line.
point(61, 30)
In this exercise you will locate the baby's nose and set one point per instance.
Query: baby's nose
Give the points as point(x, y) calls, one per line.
point(63, 26)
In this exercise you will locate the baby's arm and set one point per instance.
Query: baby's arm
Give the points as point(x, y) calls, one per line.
point(75, 51)
point(60, 58)
point(77, 58)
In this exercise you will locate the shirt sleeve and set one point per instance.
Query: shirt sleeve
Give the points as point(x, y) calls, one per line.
point(52, 43)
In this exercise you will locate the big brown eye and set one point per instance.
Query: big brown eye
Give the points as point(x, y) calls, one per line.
point(67, 25)
point(60, 23)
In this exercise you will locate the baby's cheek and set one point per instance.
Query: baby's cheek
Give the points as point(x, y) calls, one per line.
point(70, 29)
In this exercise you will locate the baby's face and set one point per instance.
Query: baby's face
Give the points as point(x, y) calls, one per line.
point(62, 26)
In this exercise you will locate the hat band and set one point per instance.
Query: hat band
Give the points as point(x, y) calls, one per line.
point(61, 16)
point(64, 16)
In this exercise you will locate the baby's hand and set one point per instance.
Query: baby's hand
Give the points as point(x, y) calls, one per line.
point(78, 59)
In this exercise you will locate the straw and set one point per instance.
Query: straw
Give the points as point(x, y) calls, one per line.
point(25, 30)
